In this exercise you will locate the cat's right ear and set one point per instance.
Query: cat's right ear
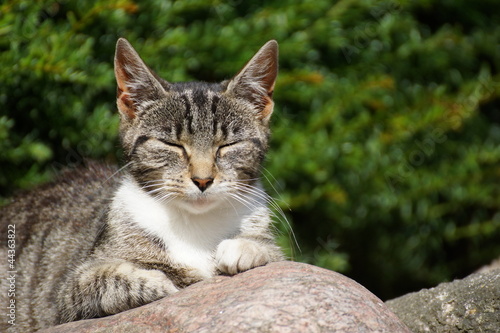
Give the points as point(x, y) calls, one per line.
point(255, 82)
point(137, 84)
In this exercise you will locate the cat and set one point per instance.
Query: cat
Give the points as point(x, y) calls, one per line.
point(188, 206)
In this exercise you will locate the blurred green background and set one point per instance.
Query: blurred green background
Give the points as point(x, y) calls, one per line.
point(386, 133)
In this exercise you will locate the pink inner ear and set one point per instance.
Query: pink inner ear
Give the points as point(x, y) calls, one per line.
point(268, 108)
point(125, 104)
point(268, 100)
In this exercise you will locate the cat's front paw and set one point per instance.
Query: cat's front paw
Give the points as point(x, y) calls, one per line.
point(128, 286)
point(238, 255)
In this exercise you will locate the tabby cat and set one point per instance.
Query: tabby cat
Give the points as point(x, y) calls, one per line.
point(189, 205)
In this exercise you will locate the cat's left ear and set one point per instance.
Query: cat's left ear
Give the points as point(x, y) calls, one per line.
point(255, 82)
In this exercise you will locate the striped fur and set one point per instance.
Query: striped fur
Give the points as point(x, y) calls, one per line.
point(188, 206)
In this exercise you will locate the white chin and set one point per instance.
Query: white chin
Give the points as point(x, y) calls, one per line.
point(198, 206)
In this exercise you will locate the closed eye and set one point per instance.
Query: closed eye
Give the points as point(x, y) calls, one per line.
point(174, 145)
point(169, 143)
point(253, 141)
point(224, 148)
point(229, 144)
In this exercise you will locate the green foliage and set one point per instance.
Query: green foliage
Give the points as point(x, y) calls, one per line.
point(386, 134)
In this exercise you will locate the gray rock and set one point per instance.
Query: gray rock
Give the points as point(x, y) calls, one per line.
point(468, 305)
point(495, 264)
point(279, 297)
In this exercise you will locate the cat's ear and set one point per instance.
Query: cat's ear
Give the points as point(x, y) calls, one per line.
point(255, 82)
point(137, 83)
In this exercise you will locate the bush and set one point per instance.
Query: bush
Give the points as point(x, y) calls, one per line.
point(386, 134)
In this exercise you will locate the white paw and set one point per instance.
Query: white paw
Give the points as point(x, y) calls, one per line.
point(238, 255)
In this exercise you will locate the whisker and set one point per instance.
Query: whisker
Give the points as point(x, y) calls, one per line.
point(277, 212)
point(155, 190)
point(229, 201)
point(243, 201)
point(153, 181)
point(165, 198)
point(150, 183)
point(117, 171)
point(268, 180)
point(273, 187)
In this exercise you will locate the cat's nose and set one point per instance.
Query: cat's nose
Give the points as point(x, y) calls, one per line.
point(202, 183)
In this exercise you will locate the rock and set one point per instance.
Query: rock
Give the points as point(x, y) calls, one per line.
point(468, 305)
point(495, 264)
point(279, 297)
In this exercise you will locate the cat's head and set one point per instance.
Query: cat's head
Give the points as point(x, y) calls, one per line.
point(195, 144)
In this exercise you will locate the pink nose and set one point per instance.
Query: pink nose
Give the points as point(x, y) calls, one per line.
point(202, 183)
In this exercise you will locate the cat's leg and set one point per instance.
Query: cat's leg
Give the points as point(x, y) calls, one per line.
point(99, 288)
point(254, 246)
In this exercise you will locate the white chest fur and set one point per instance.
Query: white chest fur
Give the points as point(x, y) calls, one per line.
point(190, 239)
